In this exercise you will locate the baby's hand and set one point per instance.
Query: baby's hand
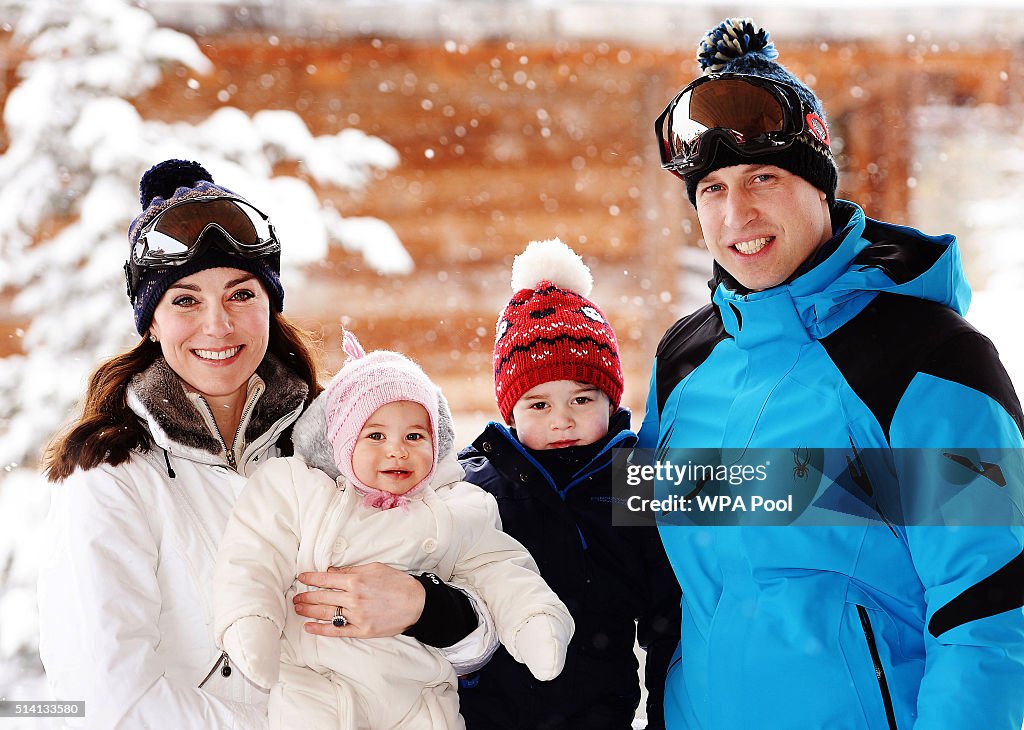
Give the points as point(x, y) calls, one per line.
point(540, 644)
point(253, 643)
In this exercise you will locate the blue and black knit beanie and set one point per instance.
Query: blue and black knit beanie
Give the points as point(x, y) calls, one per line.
point(737, 45)
point(169, 182)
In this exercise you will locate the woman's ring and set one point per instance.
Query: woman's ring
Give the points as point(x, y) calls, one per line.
point(338, 619)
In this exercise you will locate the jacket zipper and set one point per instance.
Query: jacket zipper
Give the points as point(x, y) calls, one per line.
point(211, 422)
point(225, 671)
point(254, 396)
point(869, 636)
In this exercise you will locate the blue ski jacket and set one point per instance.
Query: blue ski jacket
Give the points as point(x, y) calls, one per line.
point(853, 625)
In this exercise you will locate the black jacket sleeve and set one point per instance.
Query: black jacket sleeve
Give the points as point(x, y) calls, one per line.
point(448, 616)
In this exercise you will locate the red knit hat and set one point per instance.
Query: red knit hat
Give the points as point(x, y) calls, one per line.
point(549, 330)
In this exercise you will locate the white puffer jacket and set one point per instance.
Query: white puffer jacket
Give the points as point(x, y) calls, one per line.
point(125, 593)
point(292, 518)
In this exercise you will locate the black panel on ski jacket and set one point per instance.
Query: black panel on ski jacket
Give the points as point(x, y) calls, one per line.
point(616, 582)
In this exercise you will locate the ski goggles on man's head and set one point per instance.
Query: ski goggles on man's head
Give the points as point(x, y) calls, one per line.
point(176, 235)
point(750, 114)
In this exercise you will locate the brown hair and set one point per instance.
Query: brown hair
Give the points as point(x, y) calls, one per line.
point(108, 430)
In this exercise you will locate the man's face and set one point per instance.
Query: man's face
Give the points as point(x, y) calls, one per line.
point(761, 222)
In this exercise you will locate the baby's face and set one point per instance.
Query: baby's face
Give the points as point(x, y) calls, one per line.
point(561, 413)
point(394, 451)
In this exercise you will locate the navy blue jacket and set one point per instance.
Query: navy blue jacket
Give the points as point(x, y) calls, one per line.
point(616, 582)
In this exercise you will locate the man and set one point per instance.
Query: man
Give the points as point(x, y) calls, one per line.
point(829, 331)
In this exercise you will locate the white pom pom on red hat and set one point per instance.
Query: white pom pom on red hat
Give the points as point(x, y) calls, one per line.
point(552, 261)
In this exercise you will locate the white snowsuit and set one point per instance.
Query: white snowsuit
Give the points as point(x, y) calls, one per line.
point(292, 518)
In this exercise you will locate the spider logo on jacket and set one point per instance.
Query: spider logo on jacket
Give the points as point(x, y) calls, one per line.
point(800, 470)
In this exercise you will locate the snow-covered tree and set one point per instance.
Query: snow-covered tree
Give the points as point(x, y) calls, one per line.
point(77, 149)
point(68, 190)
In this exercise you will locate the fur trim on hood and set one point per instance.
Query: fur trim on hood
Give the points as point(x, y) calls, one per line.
point(309, 436)
point(162, 393)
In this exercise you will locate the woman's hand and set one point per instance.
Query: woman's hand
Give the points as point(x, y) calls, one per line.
point(376, 601)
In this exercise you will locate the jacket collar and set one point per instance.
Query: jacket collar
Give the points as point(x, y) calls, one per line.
point(158, 397)
point(507, 454)
point(863, 258)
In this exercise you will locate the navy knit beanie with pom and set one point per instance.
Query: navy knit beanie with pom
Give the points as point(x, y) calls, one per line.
point(737, 45)
point(169, 182)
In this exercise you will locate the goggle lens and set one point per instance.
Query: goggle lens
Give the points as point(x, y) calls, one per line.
point(177, 231)
point(158, 244)
point(747, 111)
point(751, 114)
point(175, 235)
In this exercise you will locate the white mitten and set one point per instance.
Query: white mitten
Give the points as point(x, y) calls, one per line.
point(540, 644)
point(253, 644)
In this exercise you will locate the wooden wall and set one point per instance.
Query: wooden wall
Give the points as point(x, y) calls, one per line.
point(502, 143)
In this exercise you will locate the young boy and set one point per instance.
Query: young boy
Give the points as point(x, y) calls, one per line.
point(397, 499)
point(558, 381)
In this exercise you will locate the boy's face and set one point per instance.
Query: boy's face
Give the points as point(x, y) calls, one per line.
point(394, 451)
point(561, 413)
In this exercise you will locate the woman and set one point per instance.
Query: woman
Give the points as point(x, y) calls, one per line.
point(147, 477)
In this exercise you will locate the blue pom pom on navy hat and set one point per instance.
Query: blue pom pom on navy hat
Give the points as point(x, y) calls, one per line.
point(731, 39)
point(738, 45)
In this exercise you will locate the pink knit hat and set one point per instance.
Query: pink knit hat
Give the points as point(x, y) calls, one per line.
point(365, 383)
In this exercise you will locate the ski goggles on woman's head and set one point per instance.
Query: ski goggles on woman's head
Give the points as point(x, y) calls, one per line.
point(176, 235)
point(750, 114)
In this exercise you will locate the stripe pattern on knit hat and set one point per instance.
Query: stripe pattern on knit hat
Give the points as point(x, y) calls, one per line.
point(163, 185)
point(365, 383)
point(550, 330)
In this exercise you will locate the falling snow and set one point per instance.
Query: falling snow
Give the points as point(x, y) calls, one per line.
point(79, 161)
point(77, 147)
